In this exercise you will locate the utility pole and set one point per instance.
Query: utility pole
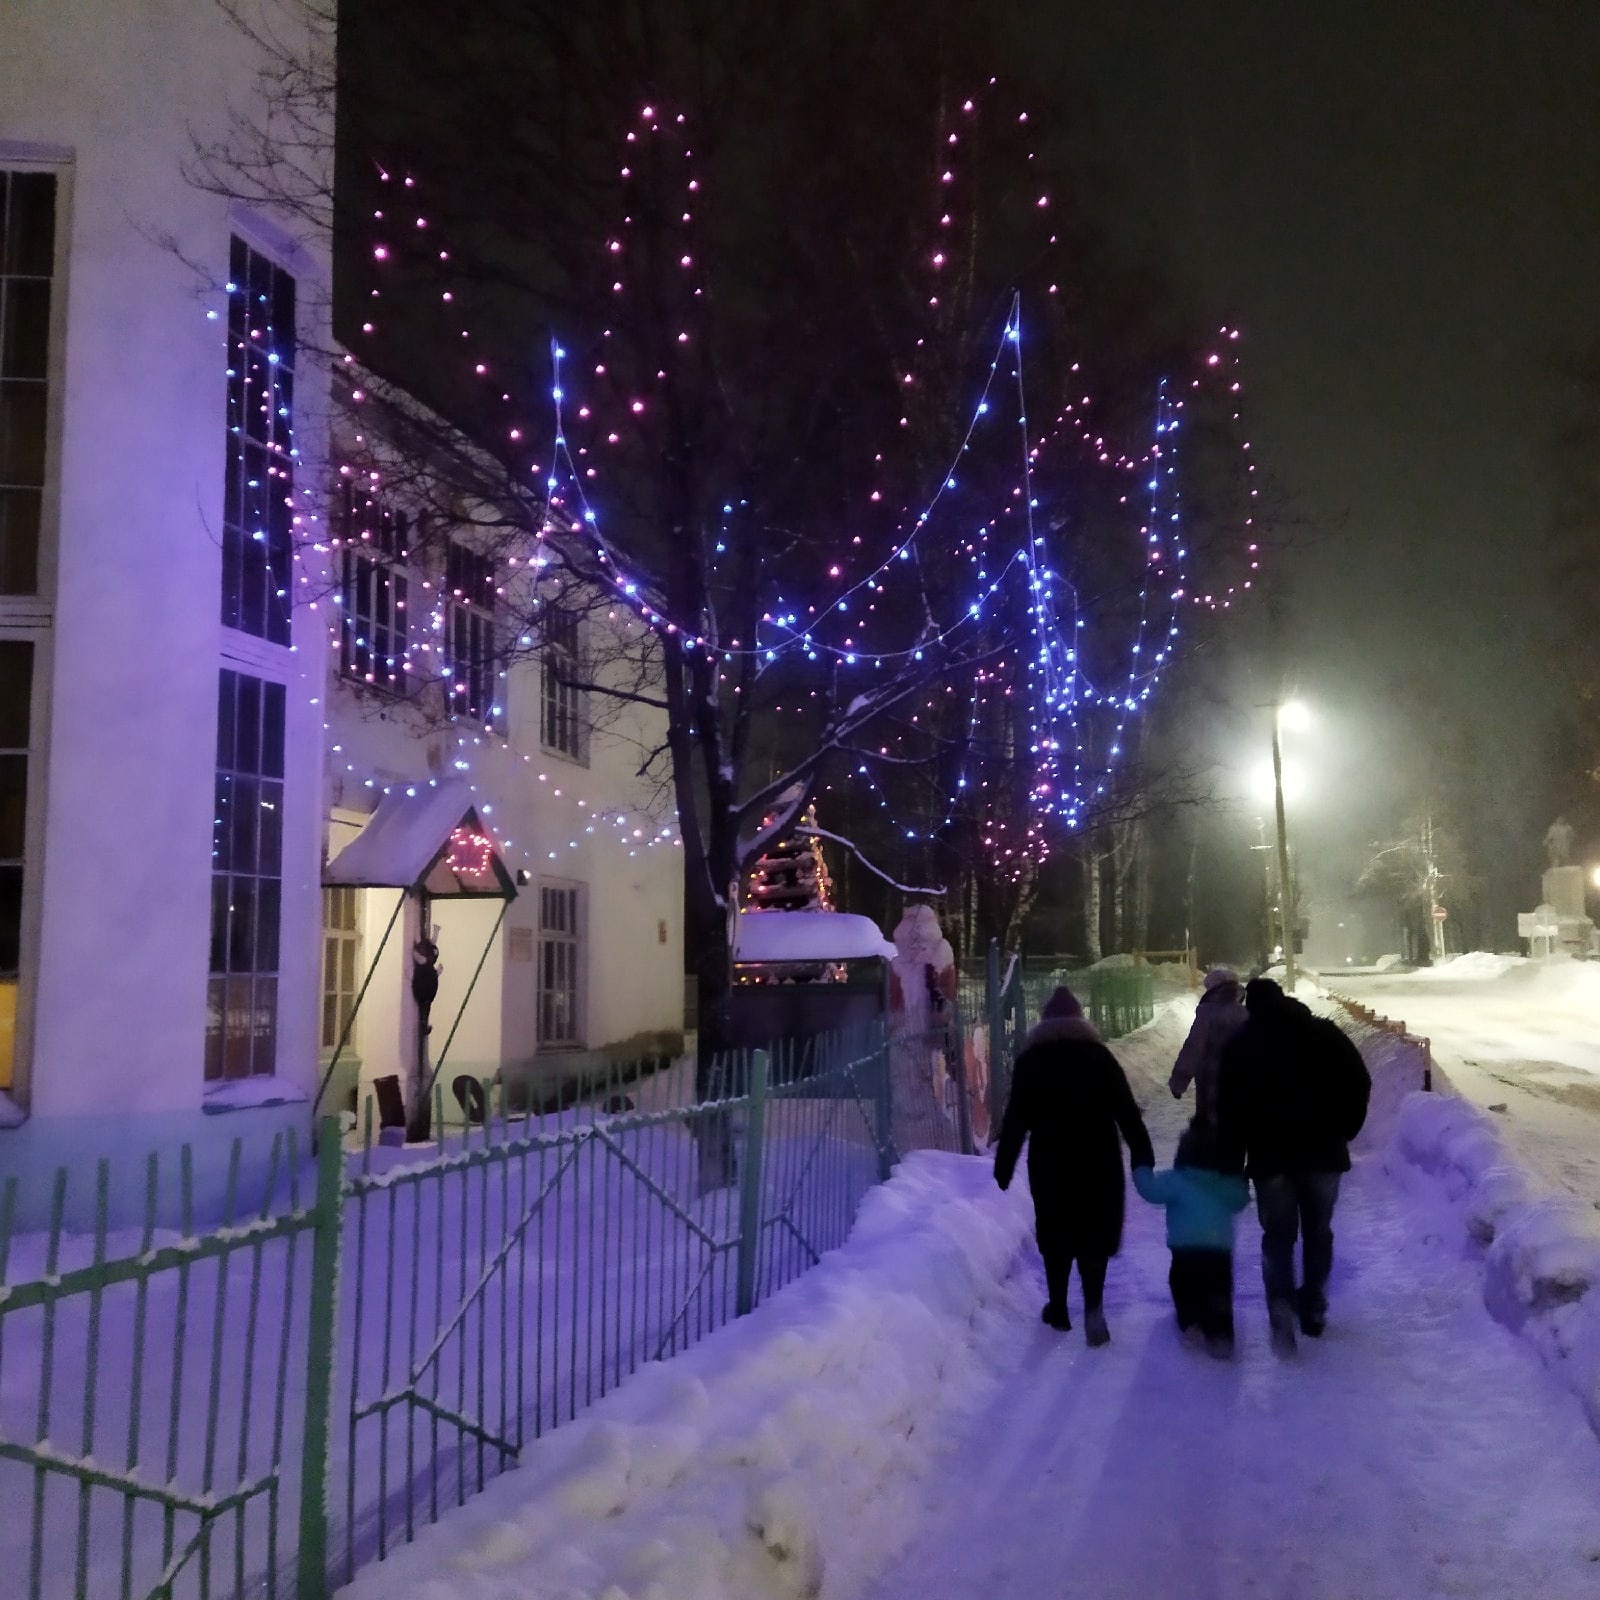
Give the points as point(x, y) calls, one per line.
point(1284, 913)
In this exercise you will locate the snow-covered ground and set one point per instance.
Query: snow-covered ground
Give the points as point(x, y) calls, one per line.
point(899, 1424)
point(1516, 1037)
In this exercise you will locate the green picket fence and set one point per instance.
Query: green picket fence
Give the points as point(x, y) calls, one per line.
point(259, 1406)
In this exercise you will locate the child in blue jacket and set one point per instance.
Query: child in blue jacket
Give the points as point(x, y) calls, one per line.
point(1201, 1203)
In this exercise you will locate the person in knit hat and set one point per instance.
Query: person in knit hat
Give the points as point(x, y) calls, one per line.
point(1071, 1102)
point(1218, 1017)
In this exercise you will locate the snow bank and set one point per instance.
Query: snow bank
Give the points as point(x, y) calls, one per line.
point(1542, 1255)
point(740, 1468)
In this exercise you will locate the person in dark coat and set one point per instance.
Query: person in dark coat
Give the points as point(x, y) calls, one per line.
point(1292, 1093)
point(1071, 1102)
point(1217, 1017)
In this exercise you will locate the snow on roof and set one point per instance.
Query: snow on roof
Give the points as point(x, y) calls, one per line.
point(808, 936)
point(405, 837)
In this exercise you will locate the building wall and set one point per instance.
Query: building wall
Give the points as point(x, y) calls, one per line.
point(131, 641)
point(556, 822)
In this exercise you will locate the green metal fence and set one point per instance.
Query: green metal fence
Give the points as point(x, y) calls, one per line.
point(147, 1446)
point(259, 1407)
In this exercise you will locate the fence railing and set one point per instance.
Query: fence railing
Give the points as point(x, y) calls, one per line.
point(147, 1444)
point(262, 1405)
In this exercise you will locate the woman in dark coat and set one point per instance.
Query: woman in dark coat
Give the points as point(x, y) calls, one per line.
point(1071, 1101)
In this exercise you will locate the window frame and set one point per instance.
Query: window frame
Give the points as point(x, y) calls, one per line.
point(364, 566)
point(338, 937)
point(550, 940)
point(246, 499)
point(25, 611)
point(246, 832)
point(470, 645)
point(562, 702)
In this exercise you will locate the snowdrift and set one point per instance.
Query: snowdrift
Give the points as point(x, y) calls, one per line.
point(1541, 1254)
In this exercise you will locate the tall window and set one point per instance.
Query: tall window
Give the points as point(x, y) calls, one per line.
point(27, 259)
point(561, 719)
point(16, 691)
point(373, 637)
point(469, 633)
point(560, 947)
point(246, 879)
point(341, 959)
point(257, 509)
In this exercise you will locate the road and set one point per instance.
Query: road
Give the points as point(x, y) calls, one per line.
point(1523, 1044)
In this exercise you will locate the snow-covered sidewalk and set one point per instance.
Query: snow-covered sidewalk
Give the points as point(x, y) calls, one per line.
point(898, 1423)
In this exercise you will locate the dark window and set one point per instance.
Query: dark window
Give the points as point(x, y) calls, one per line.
point(16, 692)
point(561, 723)
point(246, 879)
point(469, 637)
point(373, 588)
point(27, 263)
point(258, 500)
point(560, 949)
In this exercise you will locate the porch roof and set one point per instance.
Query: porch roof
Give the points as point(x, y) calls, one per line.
point(429, 840)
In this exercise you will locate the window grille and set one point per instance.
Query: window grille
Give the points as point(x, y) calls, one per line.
point(246, 879)
point(257, 508)
point(27, 265)
point(560, 953)
point(469, 634)
point(562, 719)
point(374, 589)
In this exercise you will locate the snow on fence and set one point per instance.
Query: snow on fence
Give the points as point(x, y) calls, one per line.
point(258, 1408)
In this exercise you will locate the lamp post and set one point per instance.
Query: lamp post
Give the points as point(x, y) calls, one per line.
point(1293, 716)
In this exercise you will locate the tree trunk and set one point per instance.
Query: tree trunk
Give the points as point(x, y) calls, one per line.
point(1091, 900)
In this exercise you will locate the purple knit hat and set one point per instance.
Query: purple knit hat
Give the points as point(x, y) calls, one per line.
point(1061, 1005)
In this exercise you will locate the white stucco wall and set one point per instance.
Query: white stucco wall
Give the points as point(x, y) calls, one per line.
point(551, 815)
point(119, 865)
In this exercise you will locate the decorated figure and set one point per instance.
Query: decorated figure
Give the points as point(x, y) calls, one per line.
point(922, 992)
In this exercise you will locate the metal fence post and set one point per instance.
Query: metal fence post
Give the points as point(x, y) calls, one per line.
point(997, 1031)
point(750, 1185)
point(312, 1580)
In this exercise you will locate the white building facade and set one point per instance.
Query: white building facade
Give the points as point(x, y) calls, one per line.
point(466, 677)
point(181, 751)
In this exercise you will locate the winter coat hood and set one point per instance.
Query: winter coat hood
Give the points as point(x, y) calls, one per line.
point(1061, 1030)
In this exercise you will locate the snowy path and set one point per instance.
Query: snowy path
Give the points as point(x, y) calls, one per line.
point(898, 1424)
point(1418, 1450)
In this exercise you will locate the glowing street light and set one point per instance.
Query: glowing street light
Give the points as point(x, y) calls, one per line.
point(1293, 716)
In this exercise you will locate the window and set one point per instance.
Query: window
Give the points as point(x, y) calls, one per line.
point(257, 509)
point(16, 692)
point(469, 644)
point(561, 723)
point(372, 591)
point(559, 953)
point(341, 960)
point(246, 879)
point(27, 261)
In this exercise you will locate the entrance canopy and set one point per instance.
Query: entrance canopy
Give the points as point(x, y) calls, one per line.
point(429, 840)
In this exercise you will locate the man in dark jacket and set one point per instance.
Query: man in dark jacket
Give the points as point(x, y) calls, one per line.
point(1071, 1101)
point(1292, 1094)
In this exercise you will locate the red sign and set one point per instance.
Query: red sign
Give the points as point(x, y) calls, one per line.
point(1439, 913)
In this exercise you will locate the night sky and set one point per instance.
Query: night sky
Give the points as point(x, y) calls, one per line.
point(1400, 204)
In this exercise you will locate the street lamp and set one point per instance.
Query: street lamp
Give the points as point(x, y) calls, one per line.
point(1293, 716)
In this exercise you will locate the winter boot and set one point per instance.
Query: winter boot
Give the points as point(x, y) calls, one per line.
point(1313, 1316)
point(1095, 1331)
point(1219, 1346)
point(1054, 1316)
point(1280, 1313)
